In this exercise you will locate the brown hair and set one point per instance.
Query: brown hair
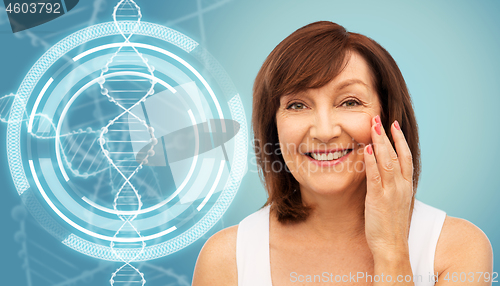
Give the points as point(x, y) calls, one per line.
point(310, 58)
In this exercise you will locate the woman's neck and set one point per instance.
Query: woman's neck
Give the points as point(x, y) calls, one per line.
point(335, 217)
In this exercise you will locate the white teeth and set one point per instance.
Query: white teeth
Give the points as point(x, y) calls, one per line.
point(329, 156)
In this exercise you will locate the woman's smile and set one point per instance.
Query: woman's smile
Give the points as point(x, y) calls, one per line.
point(328, 158)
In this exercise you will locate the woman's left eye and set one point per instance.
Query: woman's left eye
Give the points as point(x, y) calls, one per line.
point(296, 106)
point(350, 103)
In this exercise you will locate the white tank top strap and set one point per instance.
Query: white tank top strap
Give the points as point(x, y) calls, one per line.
point(252, 246)
point(252, 250)
point(425, 229)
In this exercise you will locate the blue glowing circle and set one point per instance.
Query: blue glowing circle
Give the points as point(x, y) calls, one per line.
point(16, 143)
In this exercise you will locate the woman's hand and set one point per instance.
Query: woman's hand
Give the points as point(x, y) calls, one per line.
point(389, 177)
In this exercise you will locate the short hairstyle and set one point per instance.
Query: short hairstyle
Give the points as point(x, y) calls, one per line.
point(310, 58)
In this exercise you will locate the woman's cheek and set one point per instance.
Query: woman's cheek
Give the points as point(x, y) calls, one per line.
point(358, 125)
point(291, 130)
point(290, 135)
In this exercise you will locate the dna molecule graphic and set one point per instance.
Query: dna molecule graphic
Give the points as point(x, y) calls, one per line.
point(124, 95)
point(127, 141)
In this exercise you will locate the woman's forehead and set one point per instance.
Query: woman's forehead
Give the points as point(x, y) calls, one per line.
point(357, 70)
point(356, 74)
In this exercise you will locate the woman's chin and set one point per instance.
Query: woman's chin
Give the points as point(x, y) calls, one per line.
point(327, 187)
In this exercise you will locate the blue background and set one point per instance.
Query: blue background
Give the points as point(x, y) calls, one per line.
point(448, 52)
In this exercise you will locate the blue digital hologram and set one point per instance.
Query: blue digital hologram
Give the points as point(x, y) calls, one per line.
point(132, 149)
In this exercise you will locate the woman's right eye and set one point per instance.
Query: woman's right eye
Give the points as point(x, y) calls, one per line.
point(296, 106)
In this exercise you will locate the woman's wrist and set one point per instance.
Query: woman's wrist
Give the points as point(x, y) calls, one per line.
point(393, 264)
point(392, 257)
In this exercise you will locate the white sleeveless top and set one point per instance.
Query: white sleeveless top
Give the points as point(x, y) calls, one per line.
point(252, 246)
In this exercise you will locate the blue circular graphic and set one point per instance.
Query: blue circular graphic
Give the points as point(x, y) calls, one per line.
point(65, 129)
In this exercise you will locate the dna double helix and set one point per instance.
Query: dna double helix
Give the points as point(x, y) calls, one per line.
point(129, 65)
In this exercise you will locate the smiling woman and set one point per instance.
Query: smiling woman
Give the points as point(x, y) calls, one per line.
point(341, 189)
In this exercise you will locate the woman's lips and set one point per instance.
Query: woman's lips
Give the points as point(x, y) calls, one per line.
point(326, 163)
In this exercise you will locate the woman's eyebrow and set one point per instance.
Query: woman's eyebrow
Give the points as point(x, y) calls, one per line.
point(349, 82)
point(339, 87)
point(293, 95)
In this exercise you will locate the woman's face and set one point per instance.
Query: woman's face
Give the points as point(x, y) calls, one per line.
point(315, 123)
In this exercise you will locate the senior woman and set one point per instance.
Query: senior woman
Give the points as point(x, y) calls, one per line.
point(337, 146)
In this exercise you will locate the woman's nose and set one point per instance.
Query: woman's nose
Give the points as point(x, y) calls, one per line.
point(325, 126)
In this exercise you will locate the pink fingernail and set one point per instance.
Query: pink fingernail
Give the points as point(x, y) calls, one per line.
point(377, 119)
point(377, 128)
point(369, 149)
point(396, 124)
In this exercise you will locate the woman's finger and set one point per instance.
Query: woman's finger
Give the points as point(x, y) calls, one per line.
point(392, 153)
point(385, 163)
point(373, 179)
point(404, 152)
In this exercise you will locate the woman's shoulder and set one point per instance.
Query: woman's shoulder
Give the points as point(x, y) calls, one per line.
point(462, 247)
point(216, 264)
